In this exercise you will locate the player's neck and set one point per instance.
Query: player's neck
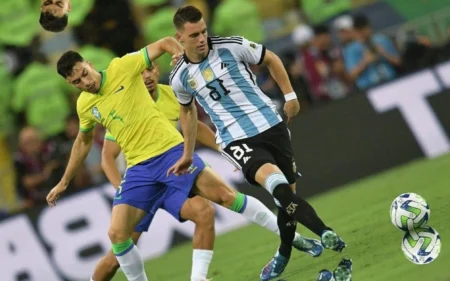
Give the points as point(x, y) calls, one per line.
point(196, 58)
point(155, 94)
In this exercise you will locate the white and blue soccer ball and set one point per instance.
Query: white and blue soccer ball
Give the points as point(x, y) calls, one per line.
point(422, 245)
point(409, 211)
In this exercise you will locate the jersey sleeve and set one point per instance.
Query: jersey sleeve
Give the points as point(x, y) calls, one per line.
point(86, 123)
point(135, 62)
point(109, 136)
point(183, 96)
point(250, 52)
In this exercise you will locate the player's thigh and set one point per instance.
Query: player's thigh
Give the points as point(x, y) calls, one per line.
point(279, 144)
point(123, 221)
point(211, 186)
point(248, 155)
point(137, 195)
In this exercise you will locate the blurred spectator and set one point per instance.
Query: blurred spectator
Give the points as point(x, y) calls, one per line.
point(79, 11)
point(157, 26)
point(238, 18)
point(109, 26)
point(34, 166)
point(370, 59)
point(18, 22)
point(417, 52)
point(7, 177)
point(322, 67)
point(343, 25)
point(100, 57)
point(324, 11)
point(39, 94)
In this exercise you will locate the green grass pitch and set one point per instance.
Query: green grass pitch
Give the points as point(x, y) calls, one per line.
point(358, 212)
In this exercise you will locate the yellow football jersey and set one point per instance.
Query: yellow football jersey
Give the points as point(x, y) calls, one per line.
point(124, 108)
point(166, 102)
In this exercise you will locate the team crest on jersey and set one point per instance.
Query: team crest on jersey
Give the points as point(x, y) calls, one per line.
point(253, 45)
point(96, 113)
point(208, 74)
point(192, 83)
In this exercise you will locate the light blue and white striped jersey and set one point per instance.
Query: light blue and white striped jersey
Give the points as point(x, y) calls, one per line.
point(225, 87)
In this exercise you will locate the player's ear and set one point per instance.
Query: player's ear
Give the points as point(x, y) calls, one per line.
point(178, 36)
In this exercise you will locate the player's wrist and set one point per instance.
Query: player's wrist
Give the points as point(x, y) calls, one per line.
point(290, 96)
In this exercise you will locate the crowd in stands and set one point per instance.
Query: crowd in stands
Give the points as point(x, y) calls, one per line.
point(329, 49)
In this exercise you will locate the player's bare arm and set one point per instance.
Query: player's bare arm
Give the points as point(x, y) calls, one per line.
point(279, 74)
point(206, 136)
point(165, 45)
point(110, 152)
point(80, 150)
point(188, 122)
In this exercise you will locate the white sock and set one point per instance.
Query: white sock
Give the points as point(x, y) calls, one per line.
point(132, 265)
point(200, 264)
point(92, 279)
point(258, 213)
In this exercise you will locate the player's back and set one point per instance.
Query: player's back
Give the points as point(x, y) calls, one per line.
point(225, 87)
point(124, 108)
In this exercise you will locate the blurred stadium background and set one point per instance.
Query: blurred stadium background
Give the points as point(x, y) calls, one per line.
point(352, 127)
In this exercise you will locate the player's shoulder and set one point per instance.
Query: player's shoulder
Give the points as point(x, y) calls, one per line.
point(165, 89)
point(177, 70)
point(83, 101)
point(225, 42)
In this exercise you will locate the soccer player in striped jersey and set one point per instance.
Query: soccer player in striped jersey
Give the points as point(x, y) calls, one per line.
point(215, 71)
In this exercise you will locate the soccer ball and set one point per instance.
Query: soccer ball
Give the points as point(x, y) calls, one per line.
point(409, 211)
point(422, 245)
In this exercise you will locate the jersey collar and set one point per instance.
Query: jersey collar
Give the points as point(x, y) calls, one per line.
point(186, 59)
point(103, 74)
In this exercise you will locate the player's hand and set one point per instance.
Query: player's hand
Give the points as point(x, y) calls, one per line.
point(175, 59)
point(54, 194)
point(291, 109)
point(181, 167)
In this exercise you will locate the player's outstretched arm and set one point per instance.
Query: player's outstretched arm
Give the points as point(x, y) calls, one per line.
point(80, 150)
point(279, 74)
point(165, 45)
point(110, 152)
point(188, 122)
point(206, 136)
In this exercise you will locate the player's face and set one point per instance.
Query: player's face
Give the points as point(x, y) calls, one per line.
point(85, 77)
point(151, 76)
point(58, 8)
point(194, 38)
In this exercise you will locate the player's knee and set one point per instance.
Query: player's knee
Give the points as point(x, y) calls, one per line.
point(227, 196)
point(117, 235)
point(204, 214)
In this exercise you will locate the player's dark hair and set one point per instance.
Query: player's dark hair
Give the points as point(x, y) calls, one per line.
point(360, 21)
point(186, 14)
point(66, 63)
point(52, 23)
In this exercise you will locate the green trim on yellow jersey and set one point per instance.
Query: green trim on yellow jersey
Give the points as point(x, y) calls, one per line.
point(87, 130)
point(148, 62)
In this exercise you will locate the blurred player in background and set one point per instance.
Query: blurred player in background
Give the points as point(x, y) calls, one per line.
point(215, 71)
point(54, 14)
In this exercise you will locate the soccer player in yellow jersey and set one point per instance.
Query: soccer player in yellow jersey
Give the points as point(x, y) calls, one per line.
point(118, 99)
point(196, 209)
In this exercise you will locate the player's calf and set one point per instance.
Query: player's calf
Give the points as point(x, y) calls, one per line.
point(106, 268)
point(276, 183)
